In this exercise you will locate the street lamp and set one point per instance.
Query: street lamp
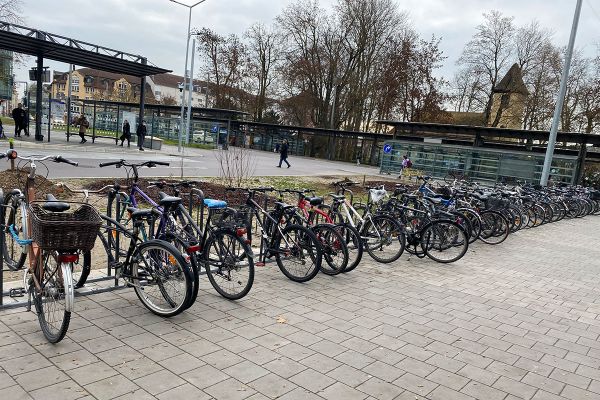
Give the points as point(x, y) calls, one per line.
point(187, 48)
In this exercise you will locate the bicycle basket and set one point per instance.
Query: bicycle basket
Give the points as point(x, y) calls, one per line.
point(494, 203)
point(76, 230)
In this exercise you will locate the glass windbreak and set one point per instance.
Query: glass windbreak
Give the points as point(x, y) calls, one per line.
point(485, 165)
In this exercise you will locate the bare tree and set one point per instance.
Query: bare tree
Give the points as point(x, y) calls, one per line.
point(11, 11)
point(236, 165)
point(489, 51)
point(225, 60)
point(264, 49)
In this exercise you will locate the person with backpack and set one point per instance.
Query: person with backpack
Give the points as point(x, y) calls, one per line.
point(406, 164)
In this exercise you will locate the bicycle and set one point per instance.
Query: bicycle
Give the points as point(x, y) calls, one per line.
point(51, 238)
point(218, 244)
point(296, 248)
point(379, 232)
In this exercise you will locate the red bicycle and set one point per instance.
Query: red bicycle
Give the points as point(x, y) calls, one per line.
point(315, 212)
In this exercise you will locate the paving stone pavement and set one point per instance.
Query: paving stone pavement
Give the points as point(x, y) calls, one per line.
point(515, 321)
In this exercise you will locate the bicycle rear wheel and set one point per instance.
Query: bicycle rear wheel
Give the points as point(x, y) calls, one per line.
point(54, 301)
point(161, 278)
point(229, 269)
point(297, 253)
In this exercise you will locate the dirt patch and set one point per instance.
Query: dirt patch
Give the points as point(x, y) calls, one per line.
point(16, 179)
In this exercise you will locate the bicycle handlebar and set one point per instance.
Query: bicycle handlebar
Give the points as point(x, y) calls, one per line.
point(108, 164)
point(126, 164)
point(60, 159)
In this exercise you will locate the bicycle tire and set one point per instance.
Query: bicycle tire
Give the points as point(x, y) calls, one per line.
point(434, 236)
point(495, 228)
point(51, 283)
point(216, 238)
point(14, 254)
point(354, 243)
point(298, 240)
point(173, 257)
point(381, 238)
point(333, 245)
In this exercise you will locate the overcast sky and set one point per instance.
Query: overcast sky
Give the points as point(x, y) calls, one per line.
point(157, 29)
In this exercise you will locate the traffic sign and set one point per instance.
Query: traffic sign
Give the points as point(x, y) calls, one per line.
point(387, 148)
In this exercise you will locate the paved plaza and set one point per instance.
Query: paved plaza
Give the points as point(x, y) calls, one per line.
point(516, 321)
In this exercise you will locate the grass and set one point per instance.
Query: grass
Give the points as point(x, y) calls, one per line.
point(174, 142)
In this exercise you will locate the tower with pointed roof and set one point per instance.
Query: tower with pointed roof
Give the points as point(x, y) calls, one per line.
point(509, 98)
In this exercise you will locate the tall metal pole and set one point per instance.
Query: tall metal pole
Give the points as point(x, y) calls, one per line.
point(561, 97)
point(187, 48)
point(71, 69)
point(190, 92)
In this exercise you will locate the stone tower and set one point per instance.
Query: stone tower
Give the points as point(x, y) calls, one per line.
point(508, 103)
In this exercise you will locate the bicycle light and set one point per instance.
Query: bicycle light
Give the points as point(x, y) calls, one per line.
point(11, 154)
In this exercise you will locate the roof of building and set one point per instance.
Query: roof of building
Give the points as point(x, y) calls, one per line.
point(512, 82)
point(172, 80)
point(22, 39)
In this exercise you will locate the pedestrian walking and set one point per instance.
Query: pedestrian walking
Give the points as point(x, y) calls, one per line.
point(126, 134)
point(19, 115)
point(283, 153)
point(406, 164)
point(83, 125)
point(141, 134)
point(2, 135)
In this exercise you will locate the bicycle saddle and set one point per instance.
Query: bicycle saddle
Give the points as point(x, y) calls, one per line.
point(52, 204)
point(166, 200)
point(279, 204)
point(140, 213)
point(337, 197)
point(315, 201)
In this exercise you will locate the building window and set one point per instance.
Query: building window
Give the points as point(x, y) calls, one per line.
point(61, 86)
point(89, 89)
point(75, 84)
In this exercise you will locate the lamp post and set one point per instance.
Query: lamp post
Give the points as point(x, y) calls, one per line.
point(187, 48)
point(561, 97)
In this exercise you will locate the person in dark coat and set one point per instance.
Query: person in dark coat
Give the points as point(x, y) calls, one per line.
point(20, 117)
point(283, 153)
point(126, 134)
point(83, 125)
point(141, 134)
point(2, 135)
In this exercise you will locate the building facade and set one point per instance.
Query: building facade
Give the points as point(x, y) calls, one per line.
point(91, 84)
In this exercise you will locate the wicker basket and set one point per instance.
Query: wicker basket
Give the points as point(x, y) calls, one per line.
point(66, 231)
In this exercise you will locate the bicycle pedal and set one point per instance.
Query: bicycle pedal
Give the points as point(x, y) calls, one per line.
point(17, 292)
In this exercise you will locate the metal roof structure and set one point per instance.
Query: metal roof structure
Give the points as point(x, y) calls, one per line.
point(21, 39)
point(447, 130)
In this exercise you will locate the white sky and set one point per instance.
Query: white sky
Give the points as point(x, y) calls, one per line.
point(157, 29)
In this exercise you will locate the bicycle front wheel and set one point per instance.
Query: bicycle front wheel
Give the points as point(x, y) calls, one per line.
point(384, 238)
point(444, 241)
point(14, 253)
point(54, 300)
point(229, 268)
point(298, 253)
point(161, 278)
point(334, 248)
